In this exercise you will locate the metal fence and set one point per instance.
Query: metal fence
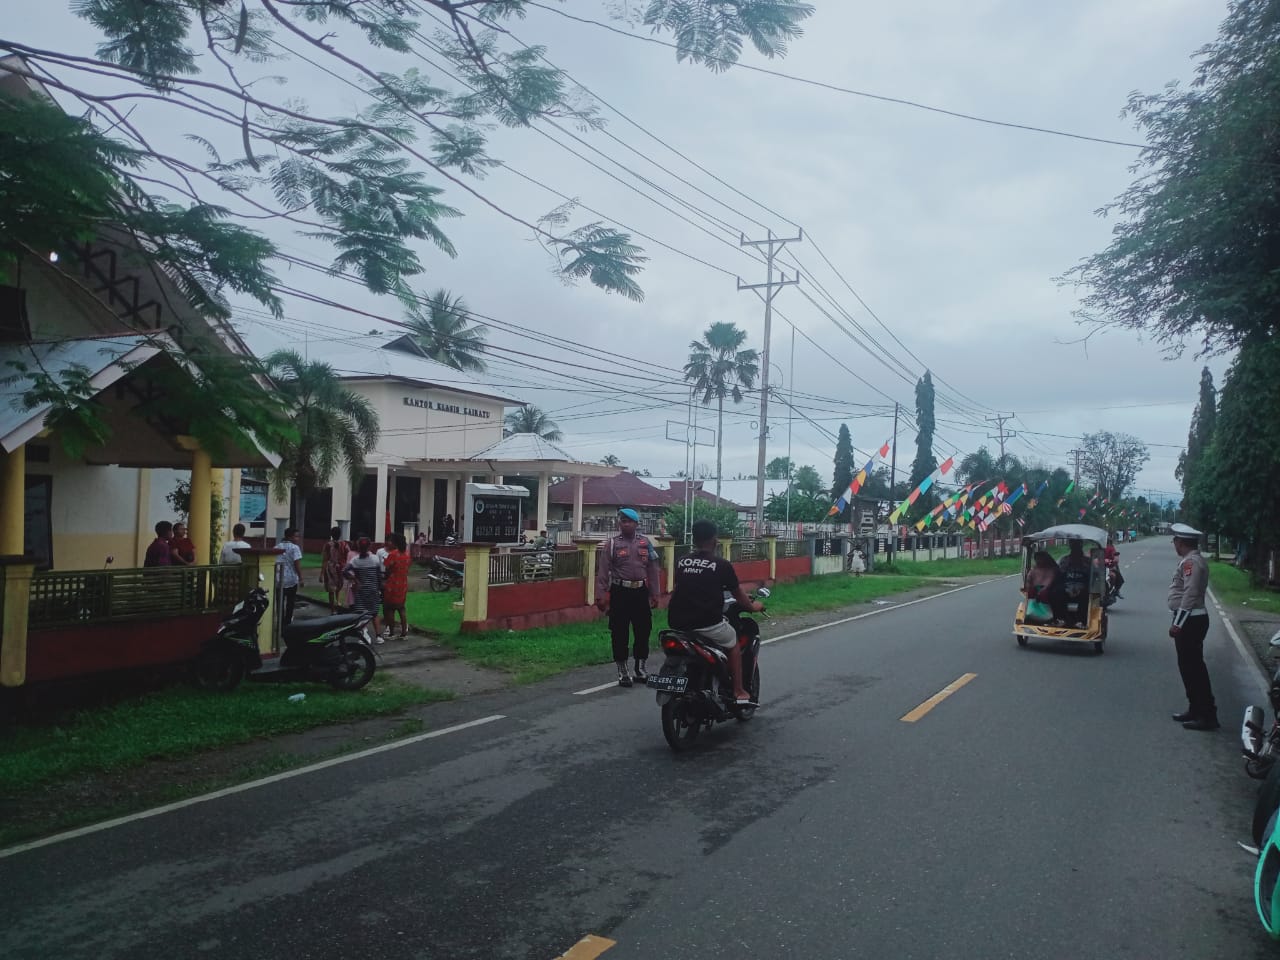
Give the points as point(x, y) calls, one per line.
point(740, 550)
point(524, 566)
point(793, 548)
point(60, 597)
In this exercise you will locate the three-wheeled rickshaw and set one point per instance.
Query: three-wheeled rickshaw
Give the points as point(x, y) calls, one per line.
point(1081, 616)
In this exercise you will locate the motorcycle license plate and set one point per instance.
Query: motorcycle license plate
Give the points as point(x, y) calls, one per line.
point(666, 683)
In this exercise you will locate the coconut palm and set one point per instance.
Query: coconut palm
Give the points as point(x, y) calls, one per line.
point(611, 460)
point(333, 427)
point(717, 368)
point(531, 419)
point(440, 327)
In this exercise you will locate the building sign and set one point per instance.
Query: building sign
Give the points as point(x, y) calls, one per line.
point(493, 513)
point(447, 407)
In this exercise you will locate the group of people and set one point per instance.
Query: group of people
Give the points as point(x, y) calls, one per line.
point(364, 576)
point(172, 547)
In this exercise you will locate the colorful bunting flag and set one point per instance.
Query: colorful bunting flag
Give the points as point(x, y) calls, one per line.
point(859, 479)
point(925, 484)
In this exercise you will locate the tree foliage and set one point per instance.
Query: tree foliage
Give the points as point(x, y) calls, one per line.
point(440, 327)
point(724, 517)
point(1196, 252)
point(1199, 438)
point(1111, 462)
point(925, 462)
point(719, 368)
point(532, 419)
point(779, 468)
point(843, 468)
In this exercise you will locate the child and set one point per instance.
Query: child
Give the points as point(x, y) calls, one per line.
point(395, 590)
point(365, 572)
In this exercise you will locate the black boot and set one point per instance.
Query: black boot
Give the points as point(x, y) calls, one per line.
point(641, 674)
point(1206, 723)
point(624, 678)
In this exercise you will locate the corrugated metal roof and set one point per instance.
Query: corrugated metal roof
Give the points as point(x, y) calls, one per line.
point(524, 446)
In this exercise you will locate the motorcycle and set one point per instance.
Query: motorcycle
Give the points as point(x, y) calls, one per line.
point(694, 687)
point(1260, 744)
point(1112, 593)
point(333, 650)
point(444, 574)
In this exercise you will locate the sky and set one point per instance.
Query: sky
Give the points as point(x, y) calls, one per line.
point(943, 235)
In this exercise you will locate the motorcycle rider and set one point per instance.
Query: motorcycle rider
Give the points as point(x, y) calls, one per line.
point(1075, 567)
point(1111, 557)
point(697, 601)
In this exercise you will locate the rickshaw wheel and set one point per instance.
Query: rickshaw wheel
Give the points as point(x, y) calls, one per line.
point(1022, 641)
point(1097, 646)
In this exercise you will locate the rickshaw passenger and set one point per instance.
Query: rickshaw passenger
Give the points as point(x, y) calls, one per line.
point(1075, 568)
point(1044, 584)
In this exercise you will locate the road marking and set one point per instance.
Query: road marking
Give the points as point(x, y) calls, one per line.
point(937, 698)
point(588, 948)
point(603, 686)
point(1264, 681)
point(241, 788)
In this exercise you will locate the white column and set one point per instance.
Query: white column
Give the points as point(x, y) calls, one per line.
point(426, 503)
point(380, 505)
point(577, 504)
point(544, 483)
point(233, 501)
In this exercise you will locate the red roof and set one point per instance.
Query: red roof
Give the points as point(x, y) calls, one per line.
point(626, 490)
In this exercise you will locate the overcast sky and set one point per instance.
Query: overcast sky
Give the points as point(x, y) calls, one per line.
point(950, 230)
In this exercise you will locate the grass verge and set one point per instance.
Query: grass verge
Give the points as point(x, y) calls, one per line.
point(180, 721)
point(959, 567)
point(1232, 587)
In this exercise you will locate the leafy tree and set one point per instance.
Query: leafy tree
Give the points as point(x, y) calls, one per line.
point(804, 507)
point(333, 427)
point(718, 367)
point(531, 419)
point(1190, 461)
point(1111, 461)
point(724, 517)
point(779, 468)
point(976, 467)
point(809, 484)
point(440, 327)
point(611, 460)
point(1197, 250)
point(843, 466)
point(925, 462)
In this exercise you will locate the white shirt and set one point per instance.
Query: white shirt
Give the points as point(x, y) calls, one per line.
point(229, 555)
point(292, 552)
point(382, 556)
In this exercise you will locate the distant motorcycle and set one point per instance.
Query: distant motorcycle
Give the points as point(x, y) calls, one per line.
point(1112, 593)
point(444, 574)
point(694, 687)
point(333, 650)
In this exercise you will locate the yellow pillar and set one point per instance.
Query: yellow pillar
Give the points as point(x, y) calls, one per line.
point(588, 550)
point(13, 481)
point(258, 561)
point(725, 543)
point(475, 582)
point(15, 603)
point(771, 551)
point(217, 537)
point(198, 517)
point(667, 545)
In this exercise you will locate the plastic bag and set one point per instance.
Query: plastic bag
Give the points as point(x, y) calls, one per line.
point(1039, 610)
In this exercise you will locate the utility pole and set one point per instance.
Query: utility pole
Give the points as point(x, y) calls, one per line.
point(773, 246)
point(1077, 453)
point(893, 480)
point(999, 420)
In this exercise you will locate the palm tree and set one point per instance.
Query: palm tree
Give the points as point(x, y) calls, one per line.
point(441, 329)
point(718, 369)
point(611, 460)
point(332, 426)
point(531, 419)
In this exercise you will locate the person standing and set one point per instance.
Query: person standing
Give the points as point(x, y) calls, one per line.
point(1190, 627)
point(365, 572)
point(395, 587)
point(159, 553)
point(333, 563)
point(182, 551)
point(628, 583)
point(228, 553)
point(289, 561)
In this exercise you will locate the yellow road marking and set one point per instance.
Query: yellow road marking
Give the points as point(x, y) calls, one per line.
point(937, 698)
point(588, 948)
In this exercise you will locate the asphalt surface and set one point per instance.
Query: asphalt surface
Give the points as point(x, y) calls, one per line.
point(1047, 808)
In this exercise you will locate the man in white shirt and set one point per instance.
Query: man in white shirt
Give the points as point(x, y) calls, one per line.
point(228, 554)
point(290, 563)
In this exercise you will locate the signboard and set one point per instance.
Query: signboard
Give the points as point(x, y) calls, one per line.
point(493, 513)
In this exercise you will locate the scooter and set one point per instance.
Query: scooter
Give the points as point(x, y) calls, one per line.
point(444, 574)
point(333, 650)
point(1259, 743)
point(694, 687)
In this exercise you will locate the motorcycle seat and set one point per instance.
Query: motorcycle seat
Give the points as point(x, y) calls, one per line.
point(303, 630)
point(448, 562)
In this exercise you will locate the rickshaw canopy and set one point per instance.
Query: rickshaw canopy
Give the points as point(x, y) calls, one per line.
point(1069, 531)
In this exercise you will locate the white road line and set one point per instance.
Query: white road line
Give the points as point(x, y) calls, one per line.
point(603, 686)
point(241, 788)
point(1264, 681)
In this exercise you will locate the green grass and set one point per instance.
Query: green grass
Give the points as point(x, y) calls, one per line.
point(434, 612)
point(180, 721)
point(1232, 587)
point(959, 567)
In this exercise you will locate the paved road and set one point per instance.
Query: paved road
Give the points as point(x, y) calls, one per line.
point(1047, 808)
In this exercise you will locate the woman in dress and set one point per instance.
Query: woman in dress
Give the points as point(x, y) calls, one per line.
point(365, 574)
point(333, 563)
point(395, 589)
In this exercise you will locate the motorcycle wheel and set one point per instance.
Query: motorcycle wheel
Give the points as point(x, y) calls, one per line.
point(1267, 804)
point(218, 670)
point(679, 729)
point(356, 669)
point(746, 713)
point(437, 583)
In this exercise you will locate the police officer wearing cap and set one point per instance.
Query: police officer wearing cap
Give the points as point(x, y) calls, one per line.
point(628, 583)
point(1189, 628)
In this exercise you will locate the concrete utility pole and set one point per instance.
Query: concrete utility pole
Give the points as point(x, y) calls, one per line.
point(893, 480)
point(1077, 453)
point(999, 420)
point(773, 246)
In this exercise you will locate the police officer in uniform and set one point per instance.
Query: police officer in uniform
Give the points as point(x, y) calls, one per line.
point(628, 583)
point(1189, 628)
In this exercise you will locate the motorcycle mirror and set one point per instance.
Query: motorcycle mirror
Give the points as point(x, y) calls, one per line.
point(1275, 639)
point(762, 593)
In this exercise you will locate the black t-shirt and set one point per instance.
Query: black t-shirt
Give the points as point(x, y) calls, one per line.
point(698, 597)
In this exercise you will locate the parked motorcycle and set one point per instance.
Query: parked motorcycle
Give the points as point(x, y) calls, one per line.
point(333, 650)
point(444, 574)
point(694, 687)
point(1260, 743)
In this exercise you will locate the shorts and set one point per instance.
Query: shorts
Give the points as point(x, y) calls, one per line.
point(721, 634)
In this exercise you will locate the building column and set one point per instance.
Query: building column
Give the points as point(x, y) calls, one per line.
point(451, 503)
point(198, 525)
point(380, 506)
point(259, 566)
point(588, 548)
point(577, 504)
point(771, 551)
point(426, 503)
point(544, 489)
point(667, 548)
point(724, 547)
point(145, 526)
point(233, 499)
point(15, 606)
point(13, 494)
point(475, 583)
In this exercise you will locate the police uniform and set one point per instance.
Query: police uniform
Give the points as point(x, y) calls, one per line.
point(627, 568)
point(1189, 628)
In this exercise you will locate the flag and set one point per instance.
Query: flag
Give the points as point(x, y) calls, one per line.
point(859, 479)
point(1021, 522)
point(925, 484)
point(1082, 512)
point(1070, 486)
